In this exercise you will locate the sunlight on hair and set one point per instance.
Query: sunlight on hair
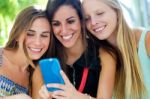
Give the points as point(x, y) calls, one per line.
point(81, 1)
point(38, 7)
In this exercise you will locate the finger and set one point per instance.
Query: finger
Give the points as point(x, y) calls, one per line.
point(60, 86)
point(59, 93)
point(42, 95)
point(65, 78)
point(43, 92)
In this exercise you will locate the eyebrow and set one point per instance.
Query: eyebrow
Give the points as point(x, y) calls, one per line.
point(31, 30)
point(72, 17)
point(42, 32)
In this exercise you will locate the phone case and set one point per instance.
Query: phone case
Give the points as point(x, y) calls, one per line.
point(50, 69)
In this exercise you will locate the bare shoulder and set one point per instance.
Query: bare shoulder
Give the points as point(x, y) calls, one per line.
point(107, 58)
point(137, 32)
point(107, 75)
point(147, 43)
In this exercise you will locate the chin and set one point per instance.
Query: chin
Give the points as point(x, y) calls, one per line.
point(35, 58)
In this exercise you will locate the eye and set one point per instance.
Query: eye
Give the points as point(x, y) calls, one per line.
point(45, 35)
point(56, 23)
point(71, 21)
point(87, 19)
point(30, 34)
point(99, 13)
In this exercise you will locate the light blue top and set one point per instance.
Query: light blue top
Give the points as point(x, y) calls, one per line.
point(145, 62)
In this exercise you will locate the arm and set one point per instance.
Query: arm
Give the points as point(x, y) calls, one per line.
point(107, 75)
point(147, 43)
point(37, 82)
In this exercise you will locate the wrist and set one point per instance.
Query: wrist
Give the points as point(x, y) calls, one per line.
point(88, 96)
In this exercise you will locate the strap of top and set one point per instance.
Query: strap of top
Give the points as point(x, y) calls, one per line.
point(1, 52)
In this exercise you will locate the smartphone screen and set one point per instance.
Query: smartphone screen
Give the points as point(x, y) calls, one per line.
point(50, 69)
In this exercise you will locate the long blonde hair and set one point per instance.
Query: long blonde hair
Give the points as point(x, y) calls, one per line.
point(129, 81)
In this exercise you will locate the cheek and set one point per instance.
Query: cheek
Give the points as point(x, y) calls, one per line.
point(46, 42)
point(56, 31)
point(77, 26)
point(88, 26)
point(113, 23)
point(113, 18)
point(28, 41)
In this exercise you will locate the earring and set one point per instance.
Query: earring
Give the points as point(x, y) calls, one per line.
point(14, 44)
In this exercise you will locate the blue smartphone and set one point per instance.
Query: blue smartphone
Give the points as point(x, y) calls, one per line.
point(50, 69)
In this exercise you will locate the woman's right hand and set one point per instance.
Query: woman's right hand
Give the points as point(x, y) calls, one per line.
point(44, 94)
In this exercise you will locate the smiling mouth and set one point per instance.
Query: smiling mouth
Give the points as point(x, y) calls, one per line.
point(67, 37)
point(97, 30)
point(37, 50)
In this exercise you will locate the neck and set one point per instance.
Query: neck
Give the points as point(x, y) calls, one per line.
point(17, 58)
point(75, 52)
point(113, 39)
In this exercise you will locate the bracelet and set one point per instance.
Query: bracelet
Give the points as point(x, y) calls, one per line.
point(89, 97)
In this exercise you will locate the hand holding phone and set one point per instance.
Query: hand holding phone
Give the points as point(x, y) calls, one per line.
point(50, 69)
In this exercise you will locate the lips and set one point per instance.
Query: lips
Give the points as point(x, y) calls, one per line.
point(67, 37)
point(99, 29)
point(35, 50)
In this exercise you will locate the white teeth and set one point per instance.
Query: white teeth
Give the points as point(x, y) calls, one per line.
point(67, 37)
point(99, 29)
point(35, 49)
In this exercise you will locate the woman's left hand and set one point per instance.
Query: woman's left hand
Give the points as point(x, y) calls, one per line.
point(67, 91)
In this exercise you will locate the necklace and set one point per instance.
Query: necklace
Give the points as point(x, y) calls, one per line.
point(74, 76)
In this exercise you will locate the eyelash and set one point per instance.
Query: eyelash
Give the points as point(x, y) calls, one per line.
point(58, 23)
point(55, 23)
point(70, 21)
point(87, 19)
point(30, 34)
point(44, 35)
point(99, 13)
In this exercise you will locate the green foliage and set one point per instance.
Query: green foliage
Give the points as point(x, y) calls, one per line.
point(8, 11)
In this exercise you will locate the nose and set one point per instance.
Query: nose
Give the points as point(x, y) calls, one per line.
point(37, 41)
point(93, 20)
point(64, 29)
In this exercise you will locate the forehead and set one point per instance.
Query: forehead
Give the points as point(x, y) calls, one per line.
point(92, 5)
point(65, 11)
point(40, 24)
point(40, 20)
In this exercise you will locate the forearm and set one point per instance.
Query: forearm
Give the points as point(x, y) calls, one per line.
point(18, 96)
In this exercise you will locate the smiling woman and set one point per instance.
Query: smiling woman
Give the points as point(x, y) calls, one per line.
point(38, 37)
point(85, 63)
point(28, 40)
point(115, 30)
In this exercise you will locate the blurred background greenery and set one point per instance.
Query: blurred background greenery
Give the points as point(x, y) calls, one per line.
point(137, 13)
point(8, 11)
